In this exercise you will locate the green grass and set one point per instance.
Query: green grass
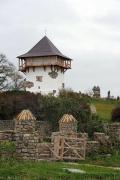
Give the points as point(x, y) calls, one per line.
point(54, 170)
point(104, 107)
point(108, 161)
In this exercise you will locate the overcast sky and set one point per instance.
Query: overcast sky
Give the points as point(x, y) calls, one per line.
point(88, 31)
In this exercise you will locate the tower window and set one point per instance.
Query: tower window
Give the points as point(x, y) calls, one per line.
point(39, 78)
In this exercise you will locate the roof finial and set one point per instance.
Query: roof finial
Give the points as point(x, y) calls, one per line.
point(45, 31)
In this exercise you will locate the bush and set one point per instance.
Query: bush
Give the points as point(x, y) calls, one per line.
point(94, 124)
point(116, 114)
point(13, 102)
point(7, 149)
point(50, 108)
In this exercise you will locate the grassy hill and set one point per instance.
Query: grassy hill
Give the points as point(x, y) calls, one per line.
point(104, 107)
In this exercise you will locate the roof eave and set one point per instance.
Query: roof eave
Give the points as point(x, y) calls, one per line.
point(25, 56)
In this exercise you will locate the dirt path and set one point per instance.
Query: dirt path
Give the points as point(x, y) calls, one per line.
point(109, 167)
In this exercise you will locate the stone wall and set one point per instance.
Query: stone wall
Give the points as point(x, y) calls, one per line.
point(102, 138)
point(7, 125)
point(27, 146)
point(43, 127)
point(92, 147)
point(82, 135)
point(29, 136)
point(25, 126)
point(8, 135)
point(114, 131)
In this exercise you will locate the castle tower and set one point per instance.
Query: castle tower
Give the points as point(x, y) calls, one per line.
point(44, 66)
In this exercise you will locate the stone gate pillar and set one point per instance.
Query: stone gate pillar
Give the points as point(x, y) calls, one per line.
point(114, 131)
point(26, 137)
point(68, 125)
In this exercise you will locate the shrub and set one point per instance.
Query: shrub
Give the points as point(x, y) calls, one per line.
point(13, 102)
point(94, 124)
point(7, 149)
point(116, 114)
point(49, 108)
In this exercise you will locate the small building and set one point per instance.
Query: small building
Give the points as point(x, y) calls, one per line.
point(44, 66)
point(96, 92)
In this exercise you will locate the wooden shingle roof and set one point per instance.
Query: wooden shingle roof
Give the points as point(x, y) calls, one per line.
point(25, 115)
point(43, 48)
point(67, 118)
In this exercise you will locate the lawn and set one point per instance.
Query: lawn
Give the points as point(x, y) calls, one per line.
point(13, 169)
point(107, 161)
point(104, 107)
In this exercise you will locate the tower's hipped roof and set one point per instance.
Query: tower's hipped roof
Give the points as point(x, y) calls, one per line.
point(43, 48)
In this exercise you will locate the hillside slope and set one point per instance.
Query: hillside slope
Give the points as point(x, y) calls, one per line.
point(104, 107)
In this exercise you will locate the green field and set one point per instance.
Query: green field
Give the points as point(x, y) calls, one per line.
point(104, 107)
point(91, 169)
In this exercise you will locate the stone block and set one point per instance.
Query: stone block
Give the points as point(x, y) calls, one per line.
point(82, 135)
point(25, 150)
point(92, 147)
point(100, 137)
point(114, 131)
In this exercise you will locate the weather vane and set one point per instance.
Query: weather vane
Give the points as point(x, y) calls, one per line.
point(45, 31)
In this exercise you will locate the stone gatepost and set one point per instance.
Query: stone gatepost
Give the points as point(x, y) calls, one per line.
point(68, 126)
point(114, 131)
point(27, 138)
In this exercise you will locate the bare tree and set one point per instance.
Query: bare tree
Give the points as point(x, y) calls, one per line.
point(10, 77)
point(6, 70)
point(17, 79)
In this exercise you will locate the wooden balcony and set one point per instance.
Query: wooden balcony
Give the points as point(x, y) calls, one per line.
point(44, 62)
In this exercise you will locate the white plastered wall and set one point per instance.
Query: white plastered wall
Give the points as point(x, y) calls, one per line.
point(48, 84)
